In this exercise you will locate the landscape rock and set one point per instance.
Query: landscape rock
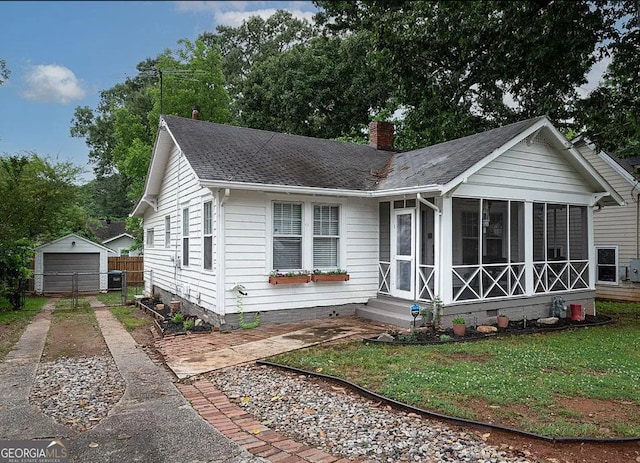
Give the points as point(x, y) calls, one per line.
point(548, 321)
point(385, 337)
point(485, 329)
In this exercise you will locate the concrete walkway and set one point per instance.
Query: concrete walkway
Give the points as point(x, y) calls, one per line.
point(153, 422)
point(19, 419)
point(196, 354)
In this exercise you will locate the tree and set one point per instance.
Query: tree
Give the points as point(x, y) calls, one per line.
point(462, 67)
point(39, 202)
point(323, 88)
point(4, 72)
point(610, 115)
point(253, 42)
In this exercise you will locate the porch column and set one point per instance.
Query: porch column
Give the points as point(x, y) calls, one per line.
point(445, 253)
point(591, 246)
point(528, 247)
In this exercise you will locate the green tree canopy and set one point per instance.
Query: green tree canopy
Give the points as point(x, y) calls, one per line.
point(39, 202)
point(462, 67)
point(610, 115)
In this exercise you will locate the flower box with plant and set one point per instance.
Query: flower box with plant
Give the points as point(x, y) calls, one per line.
point(459, 326)
point(277, 277)
point(330, 275)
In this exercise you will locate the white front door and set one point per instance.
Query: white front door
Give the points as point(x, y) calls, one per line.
point(403, 250)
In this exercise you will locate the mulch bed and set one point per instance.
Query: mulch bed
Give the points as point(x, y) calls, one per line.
point(164, 323)
point(516, 327)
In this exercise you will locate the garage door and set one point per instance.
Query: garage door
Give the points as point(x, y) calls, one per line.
point(59, 269)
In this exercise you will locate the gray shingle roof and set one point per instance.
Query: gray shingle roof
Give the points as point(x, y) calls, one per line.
point(237, 154)
point(441, 163)
point(226, 153)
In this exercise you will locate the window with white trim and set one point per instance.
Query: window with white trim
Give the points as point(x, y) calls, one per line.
point(167, 231)
point(150, 237)
point(287, 236)
point(326, 235)
point(607, 264)
point(185, 236)
point(207, 235)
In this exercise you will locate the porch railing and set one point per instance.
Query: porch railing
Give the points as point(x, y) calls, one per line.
point(426, 282)
point(549, 277)
point(486, 281)
point(384, 282)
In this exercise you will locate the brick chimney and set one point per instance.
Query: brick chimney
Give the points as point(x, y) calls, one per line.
point(381, 135)
point(195, 113)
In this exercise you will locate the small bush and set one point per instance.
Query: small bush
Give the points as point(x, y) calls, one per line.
point(189, 324)
point(177, 318)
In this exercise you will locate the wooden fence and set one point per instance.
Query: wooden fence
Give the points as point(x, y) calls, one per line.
point(133, 265)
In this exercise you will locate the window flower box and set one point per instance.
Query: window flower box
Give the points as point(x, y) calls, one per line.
point(290, 279)
point(330, 277)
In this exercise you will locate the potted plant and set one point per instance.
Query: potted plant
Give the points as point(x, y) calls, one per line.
point(503, 320)
point(277, 277)
point(459, 326)
point(332, 275)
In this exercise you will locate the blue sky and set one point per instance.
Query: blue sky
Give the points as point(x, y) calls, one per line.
point(62, 54)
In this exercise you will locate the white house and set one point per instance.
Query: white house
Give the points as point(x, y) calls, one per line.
point(113, 235)
point(71, 262)
point(616, 229)
point(500, 220)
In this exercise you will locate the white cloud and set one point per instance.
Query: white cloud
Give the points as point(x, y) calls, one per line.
point(233, 13)
point(52, 83)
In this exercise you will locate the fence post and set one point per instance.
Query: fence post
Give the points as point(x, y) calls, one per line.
point(123, 289)
point(74, 290)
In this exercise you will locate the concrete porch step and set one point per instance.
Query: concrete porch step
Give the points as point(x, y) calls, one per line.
point(387, 310)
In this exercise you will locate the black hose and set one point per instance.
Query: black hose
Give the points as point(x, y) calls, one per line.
point(452, 419)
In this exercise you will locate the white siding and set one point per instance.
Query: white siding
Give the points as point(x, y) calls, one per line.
point(534, 166)
point(180, 189)
point(65, 245)
point(615, 226)
point(247, 254)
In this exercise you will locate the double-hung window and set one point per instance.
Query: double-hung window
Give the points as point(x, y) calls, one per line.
point(185, 236)
point(207, 235)
point(326, 233)
point(607, 265)
point(287, 236)
point(150, 237)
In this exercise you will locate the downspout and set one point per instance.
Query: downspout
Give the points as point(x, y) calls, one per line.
point(436, 241)
point(220, 265)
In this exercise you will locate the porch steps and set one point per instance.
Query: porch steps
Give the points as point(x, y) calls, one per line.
point(387, 310)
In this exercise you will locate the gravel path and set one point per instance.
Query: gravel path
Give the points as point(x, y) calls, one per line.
point(343, 423)
point(77, 392)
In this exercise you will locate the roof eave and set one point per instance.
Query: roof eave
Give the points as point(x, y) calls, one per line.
point(306, 190)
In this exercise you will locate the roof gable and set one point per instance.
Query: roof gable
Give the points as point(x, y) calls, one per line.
point(74, 237)
point(442, 163)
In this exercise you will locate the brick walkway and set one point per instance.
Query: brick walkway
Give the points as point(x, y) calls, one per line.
point(239, 426)
point(230, 419)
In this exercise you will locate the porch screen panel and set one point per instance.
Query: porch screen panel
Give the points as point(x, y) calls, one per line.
point(287, 236)
point(578, 248)
point(326, 231)
point(516, 248)
point(466, 235)
point(384, 247)
point(539, 220)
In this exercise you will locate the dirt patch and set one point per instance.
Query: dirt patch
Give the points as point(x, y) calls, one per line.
point(538, 450)
point(319, 333)
point(74, 333)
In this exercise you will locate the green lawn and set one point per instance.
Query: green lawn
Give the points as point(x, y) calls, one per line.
point(113, 298)
point(529, 381)
point(14, 322)
point(131, 317)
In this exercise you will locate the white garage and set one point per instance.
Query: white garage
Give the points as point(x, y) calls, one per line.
point(71, 261)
